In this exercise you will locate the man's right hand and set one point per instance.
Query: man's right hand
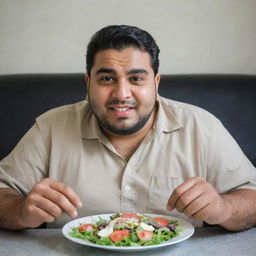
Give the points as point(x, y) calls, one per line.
point(48, 200)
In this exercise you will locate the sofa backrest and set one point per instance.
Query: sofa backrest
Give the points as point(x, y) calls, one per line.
point(232, 98)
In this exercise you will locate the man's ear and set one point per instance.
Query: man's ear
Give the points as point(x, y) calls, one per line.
point(87, 80)
point(157, 81)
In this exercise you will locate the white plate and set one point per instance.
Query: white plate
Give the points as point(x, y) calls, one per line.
point(187, 231)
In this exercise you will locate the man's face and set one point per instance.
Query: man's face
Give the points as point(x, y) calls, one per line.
point(122, 89)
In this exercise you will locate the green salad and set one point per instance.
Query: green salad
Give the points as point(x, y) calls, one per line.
point(128, 229)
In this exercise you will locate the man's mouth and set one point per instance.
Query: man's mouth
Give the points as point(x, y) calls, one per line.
point(122, 109)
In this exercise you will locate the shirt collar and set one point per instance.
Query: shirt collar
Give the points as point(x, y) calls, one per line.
point(90, 125)
point(166, 120)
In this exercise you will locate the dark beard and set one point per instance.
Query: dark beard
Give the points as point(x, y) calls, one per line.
point(140, 124)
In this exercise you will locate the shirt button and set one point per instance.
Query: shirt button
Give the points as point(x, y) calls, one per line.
point(128, 188)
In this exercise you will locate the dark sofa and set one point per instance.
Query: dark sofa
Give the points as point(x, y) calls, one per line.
point(232, 98)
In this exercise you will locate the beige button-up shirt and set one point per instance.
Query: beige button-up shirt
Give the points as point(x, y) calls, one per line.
point(68, 145)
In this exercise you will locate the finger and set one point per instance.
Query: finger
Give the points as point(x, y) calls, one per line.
point(198, 190)
point(48, 206)
point(180, 190)
point(37, 200)
point(196, 206)
point(56, 198)
point(187, 198)
point(44, 216)
point(59, 194)
point(67, 192)
point(202, 214)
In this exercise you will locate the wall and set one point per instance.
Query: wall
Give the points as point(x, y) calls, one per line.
point(195, 36)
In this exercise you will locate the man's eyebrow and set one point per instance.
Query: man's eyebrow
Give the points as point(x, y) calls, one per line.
point(130, 72)
point(137, 71)
point(105, 70)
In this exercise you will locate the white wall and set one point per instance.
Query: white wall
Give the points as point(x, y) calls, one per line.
point(195, 36)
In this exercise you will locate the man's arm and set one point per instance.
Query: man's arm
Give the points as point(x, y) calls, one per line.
point(242, 204)
point(10, 199)
point(198, 199)
point(47, 201)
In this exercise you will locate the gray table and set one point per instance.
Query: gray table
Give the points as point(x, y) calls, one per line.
point(205, 241)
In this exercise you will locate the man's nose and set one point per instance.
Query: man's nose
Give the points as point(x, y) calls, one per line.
point(122, 90)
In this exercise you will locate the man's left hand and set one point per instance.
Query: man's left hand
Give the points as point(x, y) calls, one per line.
point(199, 200)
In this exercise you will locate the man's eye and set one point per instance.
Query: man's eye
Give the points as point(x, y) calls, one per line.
point(106, 78)
point(136, 79)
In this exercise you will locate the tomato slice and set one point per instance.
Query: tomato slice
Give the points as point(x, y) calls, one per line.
point(129, 215)
point(145, 235)
point(161, 221)
point(118, 235)
point(86, 227)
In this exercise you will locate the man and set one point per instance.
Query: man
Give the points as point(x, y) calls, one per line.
point(126, 149)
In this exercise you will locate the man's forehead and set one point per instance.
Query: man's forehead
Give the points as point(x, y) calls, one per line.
point(131, 59)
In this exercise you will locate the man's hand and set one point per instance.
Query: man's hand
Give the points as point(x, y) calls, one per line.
point(47, 201)
point(199, 200)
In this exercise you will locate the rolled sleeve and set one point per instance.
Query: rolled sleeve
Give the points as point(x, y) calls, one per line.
point(27, 163)
point(228, 167)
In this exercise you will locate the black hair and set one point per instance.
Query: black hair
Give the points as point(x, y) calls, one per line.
point(120, 37)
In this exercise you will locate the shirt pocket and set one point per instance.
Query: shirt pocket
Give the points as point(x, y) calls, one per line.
point(160, 189)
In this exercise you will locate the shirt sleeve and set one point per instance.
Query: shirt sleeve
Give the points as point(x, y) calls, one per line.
point(227, 166)
point(27, 164)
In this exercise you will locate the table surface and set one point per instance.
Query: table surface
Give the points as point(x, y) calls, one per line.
point(205, 241)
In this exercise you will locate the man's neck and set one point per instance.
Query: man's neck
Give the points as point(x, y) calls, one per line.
point(126, 145)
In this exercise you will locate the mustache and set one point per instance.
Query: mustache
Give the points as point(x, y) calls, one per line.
point(122, 102)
